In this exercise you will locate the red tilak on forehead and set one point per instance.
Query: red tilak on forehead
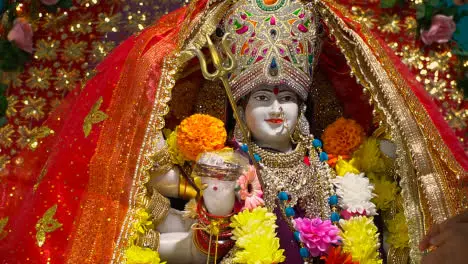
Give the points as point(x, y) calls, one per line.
point(276, 90)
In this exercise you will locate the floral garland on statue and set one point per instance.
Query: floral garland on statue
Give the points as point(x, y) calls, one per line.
point(195, 135)
point(352, 239)
point(255, 236)
point(361, 190)
point(139, 255)
point(368, 159)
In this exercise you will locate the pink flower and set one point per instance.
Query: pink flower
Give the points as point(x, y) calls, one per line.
point(441, 31)
point(49, 2)
point(317, 235)
point(21, 34)
point(250, 189)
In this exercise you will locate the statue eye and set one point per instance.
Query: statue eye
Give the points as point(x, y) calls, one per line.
point(261, 98)
point(287, 98)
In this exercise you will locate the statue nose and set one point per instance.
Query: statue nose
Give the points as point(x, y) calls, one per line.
point(276, 109)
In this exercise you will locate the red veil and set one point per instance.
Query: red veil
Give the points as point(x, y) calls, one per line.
point(74, 188)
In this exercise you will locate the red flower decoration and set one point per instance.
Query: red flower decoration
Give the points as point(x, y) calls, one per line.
point(307, 161)
point(336, 256)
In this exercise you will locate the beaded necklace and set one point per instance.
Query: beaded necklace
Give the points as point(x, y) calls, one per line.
point(293, 175)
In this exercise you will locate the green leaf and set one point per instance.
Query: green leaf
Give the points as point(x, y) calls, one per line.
point(3, 105)
point(462, 85)
point(12, 58)
point(450, 11)
point(420, 11)
point(34, 10)
point(459, 15)
point(434, 2)
point(3, 121)
point(12, 12)
point(65, 4)
point(387, 3)
point(3, 88)
point(51, 8)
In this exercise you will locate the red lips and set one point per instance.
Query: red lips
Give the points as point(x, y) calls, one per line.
point(275, 120)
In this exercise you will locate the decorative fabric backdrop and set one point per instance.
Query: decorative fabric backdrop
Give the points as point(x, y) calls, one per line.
point(69, 44)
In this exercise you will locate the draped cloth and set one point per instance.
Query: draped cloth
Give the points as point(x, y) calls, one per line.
point(95, 180)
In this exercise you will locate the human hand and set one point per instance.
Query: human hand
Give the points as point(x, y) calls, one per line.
point(448, 240)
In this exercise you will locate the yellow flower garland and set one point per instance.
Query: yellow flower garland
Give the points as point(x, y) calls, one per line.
point(368, 157)
point(171, 140)
point(139, 255)
point(342, 167)
point(398, 231)
point(385, 191)
point(254, 232)
point(361, 239)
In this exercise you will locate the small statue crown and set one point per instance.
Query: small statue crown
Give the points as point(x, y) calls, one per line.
point(274, 42)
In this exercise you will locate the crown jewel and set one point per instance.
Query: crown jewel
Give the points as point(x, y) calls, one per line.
point(274, 42)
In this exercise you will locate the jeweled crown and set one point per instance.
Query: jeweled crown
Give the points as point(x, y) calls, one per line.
point(274, 42)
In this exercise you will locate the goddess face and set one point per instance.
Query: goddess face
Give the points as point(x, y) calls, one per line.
point(271, 114)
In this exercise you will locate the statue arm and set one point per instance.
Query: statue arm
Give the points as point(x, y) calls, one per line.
point(166, 177)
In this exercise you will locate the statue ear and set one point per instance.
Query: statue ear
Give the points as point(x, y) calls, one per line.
point(241, 112)
point(237, 131)
point(302, 128)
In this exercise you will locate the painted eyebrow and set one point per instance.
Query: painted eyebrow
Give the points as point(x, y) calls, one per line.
point(264, 90)
point(269, 91)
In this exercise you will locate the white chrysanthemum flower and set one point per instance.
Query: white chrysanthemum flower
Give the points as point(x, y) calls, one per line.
point(355, 193)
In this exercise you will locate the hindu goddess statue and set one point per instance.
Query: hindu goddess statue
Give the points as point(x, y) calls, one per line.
point(246, 131)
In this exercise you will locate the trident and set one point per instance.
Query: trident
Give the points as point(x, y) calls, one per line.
point(221, 71)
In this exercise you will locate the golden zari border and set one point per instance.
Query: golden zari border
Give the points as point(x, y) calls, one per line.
point(411, 145)
point(443, 160)
point(171, 71)
point(116, 157)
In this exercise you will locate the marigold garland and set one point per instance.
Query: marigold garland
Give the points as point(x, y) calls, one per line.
point(200, 133)
point(398, 231)
point(361, 239)
point(254, 232)
point(139, 255)
point(342, 137)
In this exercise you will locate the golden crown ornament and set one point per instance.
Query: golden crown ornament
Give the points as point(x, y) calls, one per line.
point(274, 42)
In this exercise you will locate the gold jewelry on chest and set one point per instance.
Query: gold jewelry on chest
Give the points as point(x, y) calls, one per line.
point(288, 172)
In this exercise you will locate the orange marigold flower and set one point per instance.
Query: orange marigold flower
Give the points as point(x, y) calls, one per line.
point(200, 133)
point(336, 256)
point(342, 137)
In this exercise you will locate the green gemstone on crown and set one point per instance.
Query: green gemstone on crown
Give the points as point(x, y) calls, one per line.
point(263, 6)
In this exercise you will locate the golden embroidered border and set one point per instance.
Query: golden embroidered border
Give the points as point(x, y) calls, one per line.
point(410, 140)
point(172, 66)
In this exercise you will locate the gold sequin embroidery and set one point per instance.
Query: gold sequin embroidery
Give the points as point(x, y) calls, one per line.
point(46, 224)
point(3, 223)
point(95, 116)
